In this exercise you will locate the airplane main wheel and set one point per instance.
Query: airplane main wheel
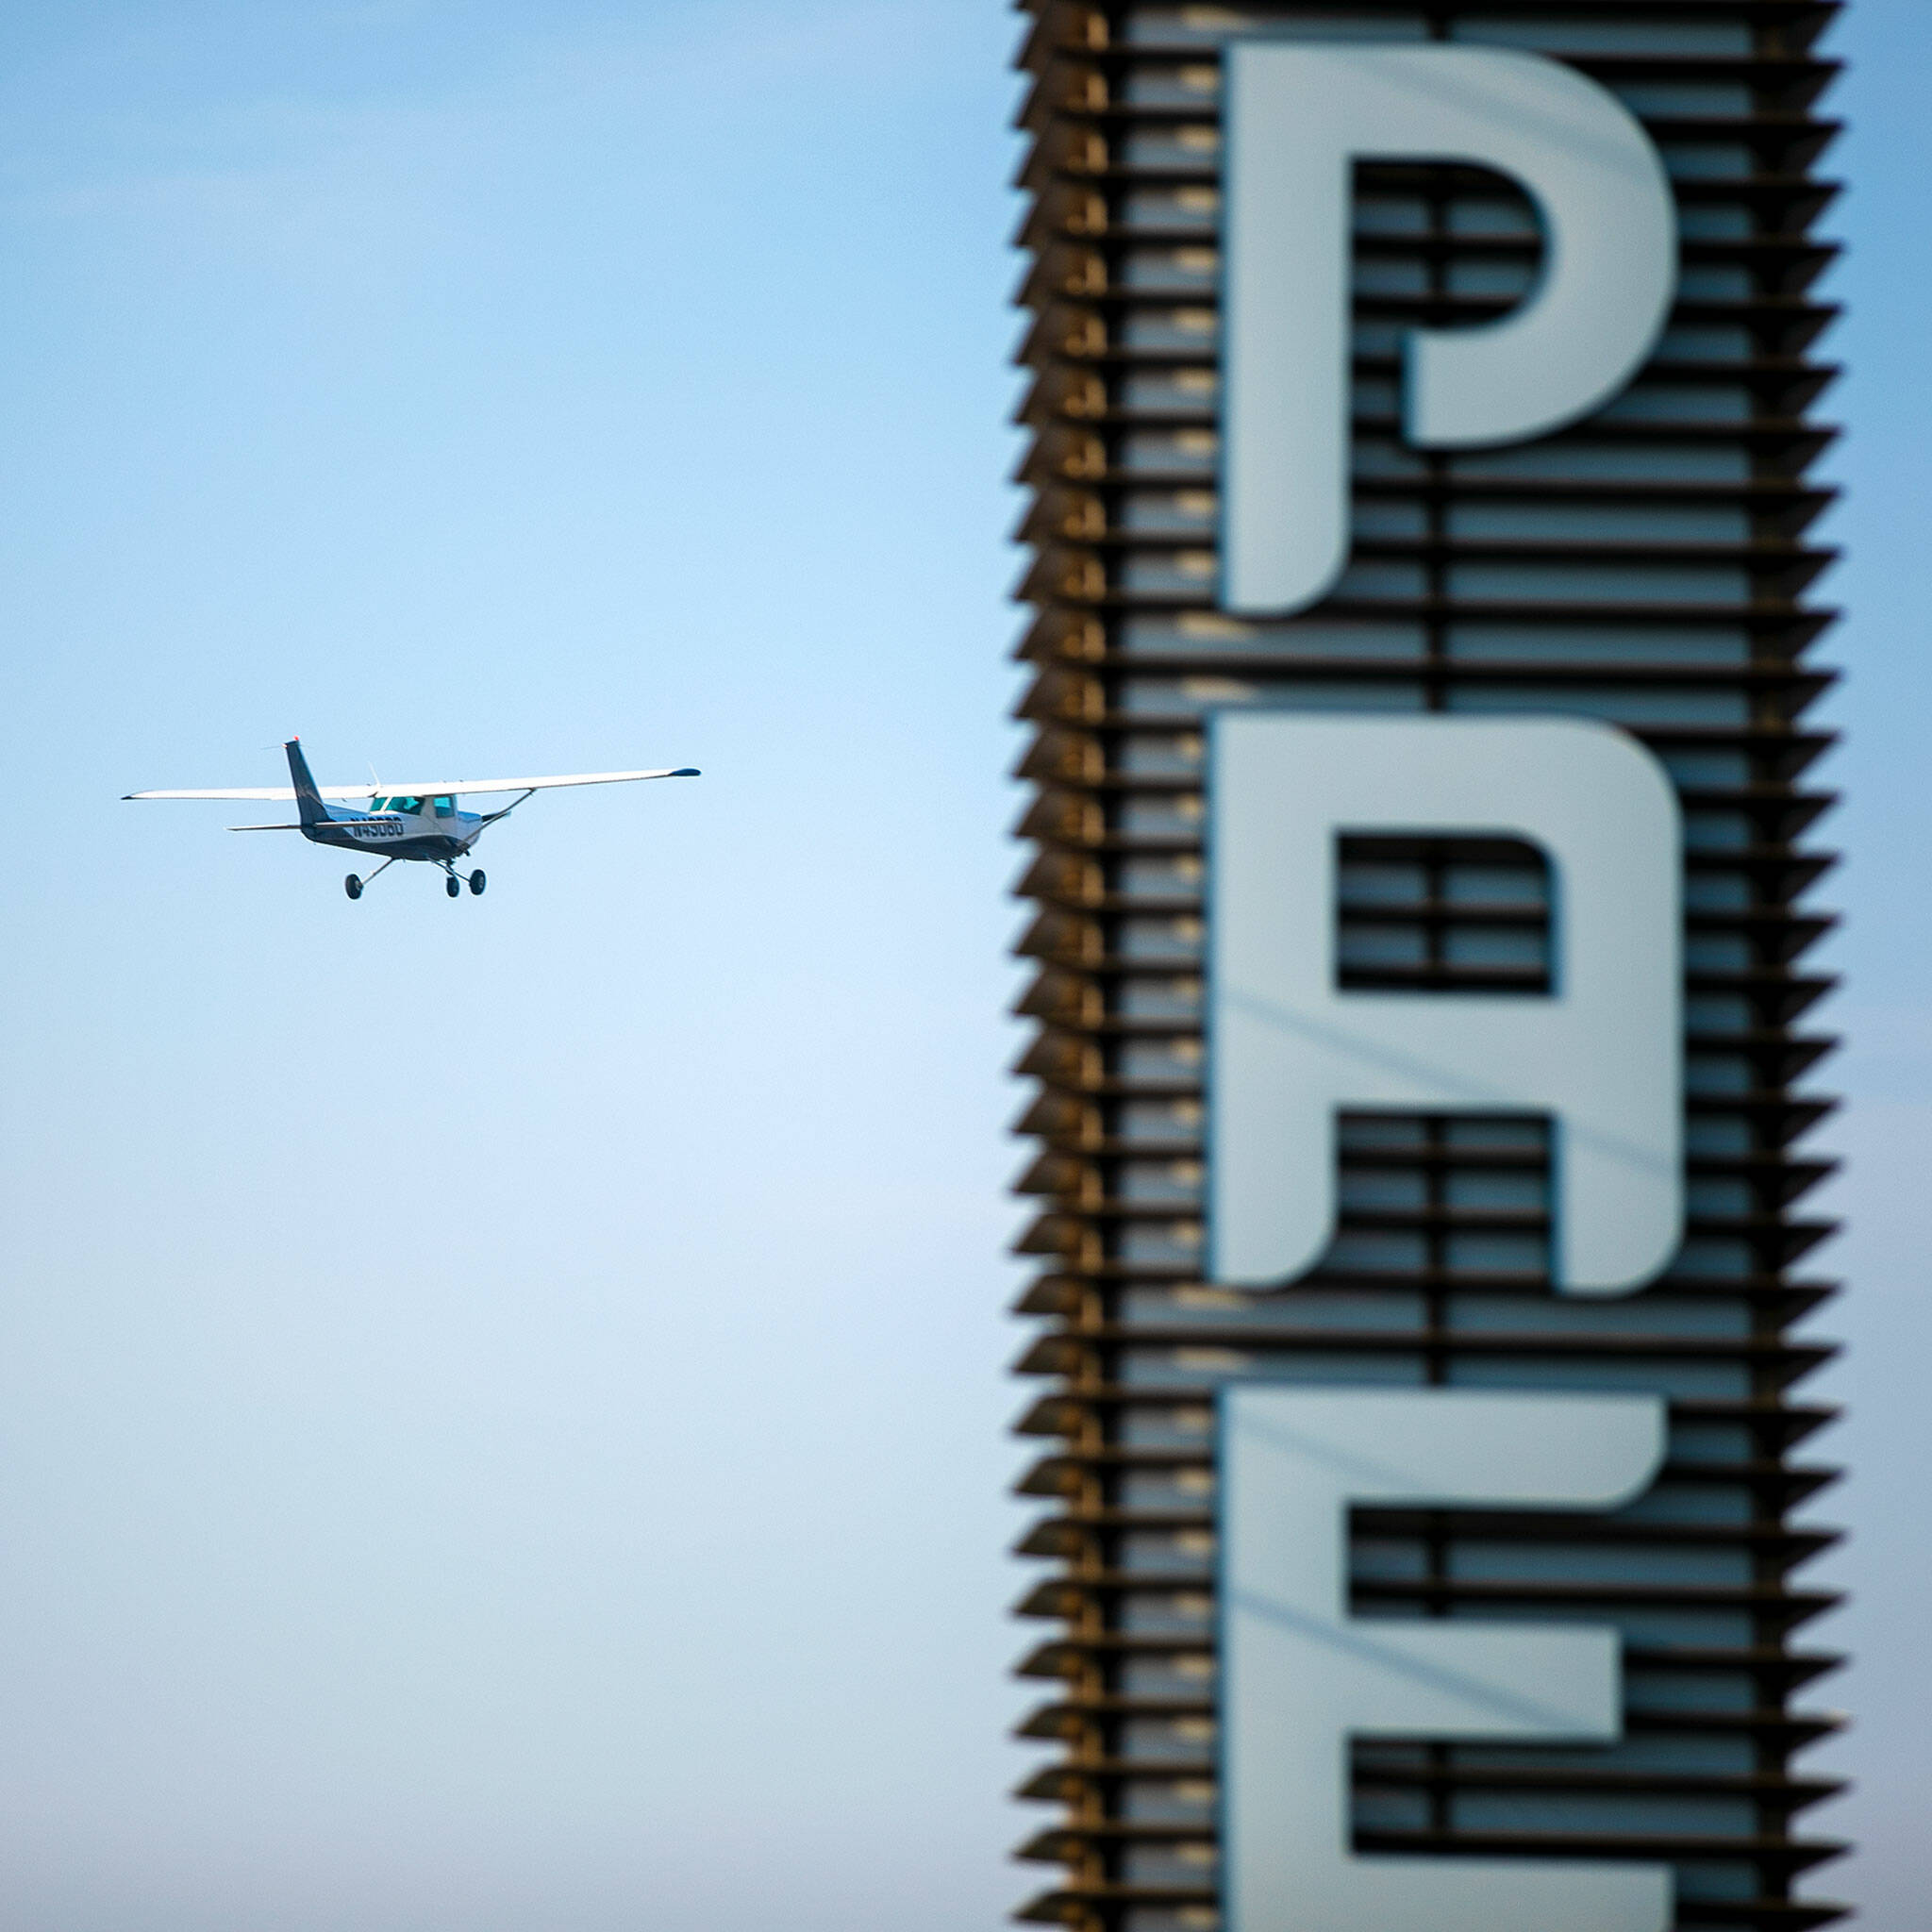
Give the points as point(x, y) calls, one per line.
point(477, 883)
point(453, 887)
point(352, 886)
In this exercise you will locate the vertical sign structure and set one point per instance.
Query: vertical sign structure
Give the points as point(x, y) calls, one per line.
point(1641, 561)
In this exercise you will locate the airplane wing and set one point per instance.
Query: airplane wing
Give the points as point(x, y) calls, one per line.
point(282, 794)
point(417, 788)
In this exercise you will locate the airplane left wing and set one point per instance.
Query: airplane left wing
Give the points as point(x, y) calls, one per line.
point(267, 794)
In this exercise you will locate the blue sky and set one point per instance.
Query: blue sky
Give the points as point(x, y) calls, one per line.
point(503, 1403)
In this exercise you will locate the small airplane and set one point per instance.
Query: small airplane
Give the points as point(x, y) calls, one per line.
point(416, 821)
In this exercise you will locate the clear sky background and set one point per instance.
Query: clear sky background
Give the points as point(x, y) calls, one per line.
point(502, 1404)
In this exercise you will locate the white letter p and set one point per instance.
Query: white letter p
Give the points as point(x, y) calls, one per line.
point(1299, 117)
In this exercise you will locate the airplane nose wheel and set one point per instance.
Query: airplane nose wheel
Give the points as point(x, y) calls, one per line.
point(477, 883)
point(452, 885)
point(352, 886)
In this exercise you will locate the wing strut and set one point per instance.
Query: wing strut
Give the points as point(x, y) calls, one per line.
point(490, 818)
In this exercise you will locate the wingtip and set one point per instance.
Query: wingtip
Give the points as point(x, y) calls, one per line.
point(687, 772)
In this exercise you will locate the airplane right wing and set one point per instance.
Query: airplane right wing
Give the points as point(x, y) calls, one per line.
point(417, 788)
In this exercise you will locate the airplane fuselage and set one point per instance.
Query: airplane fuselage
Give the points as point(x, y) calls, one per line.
point(438, 832)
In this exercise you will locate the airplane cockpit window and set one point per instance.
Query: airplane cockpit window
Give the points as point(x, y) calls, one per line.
point(446, 807)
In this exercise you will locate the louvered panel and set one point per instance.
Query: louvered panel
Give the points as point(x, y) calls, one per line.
point(1651, 566)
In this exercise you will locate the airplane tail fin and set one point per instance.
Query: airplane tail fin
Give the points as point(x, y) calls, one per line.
point(309, 802)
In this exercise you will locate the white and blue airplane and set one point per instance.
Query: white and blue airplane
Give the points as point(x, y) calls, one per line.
point(418, 821)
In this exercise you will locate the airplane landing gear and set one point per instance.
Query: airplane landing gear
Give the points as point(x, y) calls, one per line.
point(477, 883)
point(354, 887)
point(452, 885)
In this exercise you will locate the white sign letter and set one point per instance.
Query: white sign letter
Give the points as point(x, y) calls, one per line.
point(1300, 1677)
point(1602, 1052)
point(1299, 117)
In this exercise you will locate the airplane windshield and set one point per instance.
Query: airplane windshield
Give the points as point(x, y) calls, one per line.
point(446, 807)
